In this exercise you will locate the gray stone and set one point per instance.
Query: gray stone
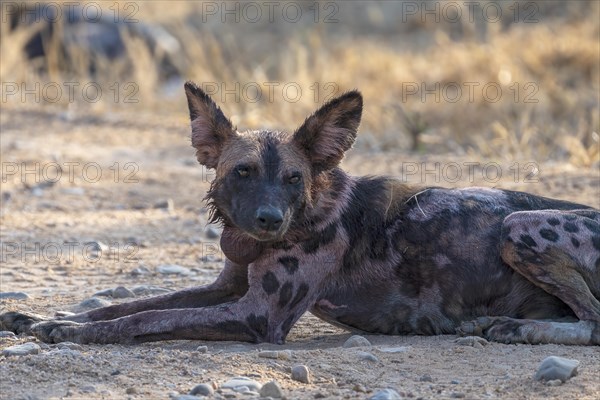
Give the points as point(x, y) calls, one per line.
point(96, 246)
point(69, 345)
point(93, 302)
point(554, 382)
point(366, 356)
point(271, 389)
point(14, 296)
point(168, 205)
point(356, 341)
point(202, 349)
point(104, 293)
point(141, 270)
point(202, 389)
point(386, 394)
point(399, 349)
point(426, 378)
point(21, 349)
point(301, 373)
point(121, 292)
point(186, 397)
point(147, 290)
point(172, 269)
point(473, 341)
point(269, 354)
point(242, 381)
point(554, 367)
point(7, 334)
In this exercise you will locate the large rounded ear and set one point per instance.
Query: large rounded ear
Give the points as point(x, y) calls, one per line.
point(327, 134)
point(210, 128)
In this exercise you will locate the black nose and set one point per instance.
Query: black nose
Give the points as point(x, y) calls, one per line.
point(269, 218)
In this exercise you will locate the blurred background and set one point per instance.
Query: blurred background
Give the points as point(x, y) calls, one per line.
point(498, 79)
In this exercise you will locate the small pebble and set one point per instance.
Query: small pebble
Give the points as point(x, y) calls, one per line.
point(14, 296)
point(202, 389)
point(426, 378)
point(455, 382)
point(121, 292)
point(88, 389)
point(400, 349)
point(131, 390)
point(269, 354)
point(142, 270)
point(271, 389)
point(473, 341)
point(301, 373)
point(242, 381)
point(96, 246)
point(366, 356)
point(168, 205)
point(21, 349)
point(202, 349)
point(457, 395)
point(553, 368)
point(554, 382)
point(104, 293)
point(186, 397)
point(173, 269)
point(69, 345)
point(386, 394)
point(146, 290)
point(356, 341)
point(359, 388)
point(92, 302)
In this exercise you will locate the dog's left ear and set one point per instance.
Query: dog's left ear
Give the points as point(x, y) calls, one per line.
point(327, 134)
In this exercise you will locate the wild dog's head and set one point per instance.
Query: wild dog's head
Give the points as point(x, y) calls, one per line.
point(264, 178)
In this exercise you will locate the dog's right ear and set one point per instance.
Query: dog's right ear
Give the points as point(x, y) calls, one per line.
point(210, 128)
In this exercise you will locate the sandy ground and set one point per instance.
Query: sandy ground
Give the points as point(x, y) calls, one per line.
point(144, 163)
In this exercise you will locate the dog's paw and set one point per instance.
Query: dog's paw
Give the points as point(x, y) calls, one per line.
point(19, 322)
point(496, 329)
point(58, 331)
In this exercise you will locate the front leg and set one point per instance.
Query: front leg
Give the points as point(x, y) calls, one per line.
point(231, 284)
point(281, 288)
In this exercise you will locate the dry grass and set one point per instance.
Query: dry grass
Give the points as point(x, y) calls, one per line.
point(548, 72)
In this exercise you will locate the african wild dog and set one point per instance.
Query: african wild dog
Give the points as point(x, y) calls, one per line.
point(365, 253)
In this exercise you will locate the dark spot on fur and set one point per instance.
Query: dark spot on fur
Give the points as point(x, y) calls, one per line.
point(235, 327)
point(270, 158)
point(283, 245)
point(258, 324)
point(270, 283)
point(287, 324)
point(570, 227)
point(570, 217)
point(598, 263)
point(528, 240)
point(290, 263)
point(596, 242)
point(575, 242)
point(553, 221)
point(285, 294)
point(320, 239)
point(549, 234)
point(592, 226)
point(300, 294)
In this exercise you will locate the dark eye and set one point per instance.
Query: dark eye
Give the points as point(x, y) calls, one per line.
point(243, 171)
point(294, 179)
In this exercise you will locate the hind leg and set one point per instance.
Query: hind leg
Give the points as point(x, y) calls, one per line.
point(558, 251)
